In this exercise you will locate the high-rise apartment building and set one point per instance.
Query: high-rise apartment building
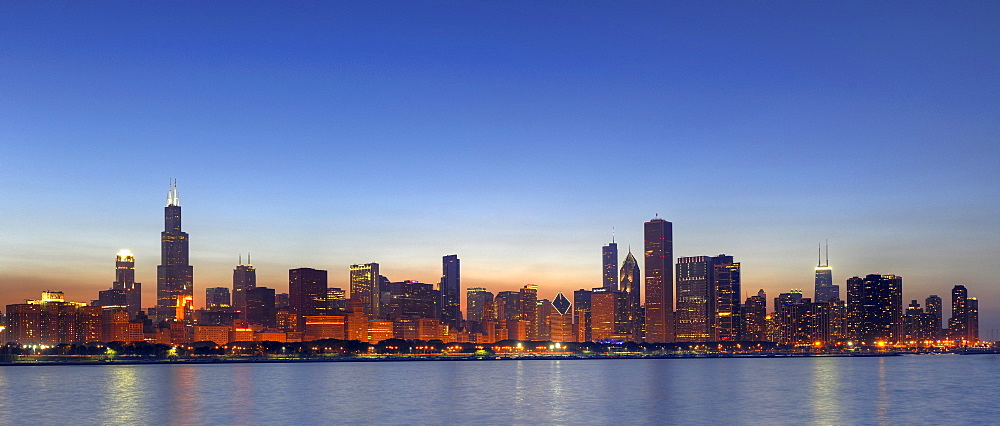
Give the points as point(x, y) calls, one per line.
point(933, 305)
point(964, 322)
point(875, 308)
point(125, 280)
point(365, 286)
point(174, 275)
point(609, 255)
point(244, 280)
point(754, 318)
point(307, 293)
point(659, 259)
point(451, 291)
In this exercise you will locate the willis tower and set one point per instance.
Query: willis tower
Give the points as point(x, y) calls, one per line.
point(174, 275)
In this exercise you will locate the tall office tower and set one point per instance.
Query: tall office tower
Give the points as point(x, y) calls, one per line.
point(628, 286)
point(610, 256)
point(708, 305)
point(693, 318)
point(659, 253)
point(754, 317)
point(174, 275)
point(451, 291)
point(411, 300)
point(582, 299)
point(603, 313)
point(217, 297)
point(306, 293)
point(932, 305)
point(366, 287)
point(125, 280)
point(476, 299)
point(528, 309)
point(244, 280)
point(508, 305)
point(825, 288)
point(875, 308)
point(261, 309)
point(561, 320)
point(959, 301)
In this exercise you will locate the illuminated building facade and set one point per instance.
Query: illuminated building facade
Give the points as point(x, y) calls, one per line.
point(218, 334)
point(336, 300)
point(125, 281)
point(561, 320)
point(174, 275)
point(365, 286)
point(451, 291)
point(324, 327)
point(875, 308)
point(932, 305)
point(609, 256)
point(244, 280)
point(307, 293)
point(659, 259)
point(964, 322)
point(825, 289)
point(630, 317)
point(411, 300)
point(918, 325)
point(508, 305)
point(754, 317)
point(603, 307)
point(528, 307)
point(708, 305)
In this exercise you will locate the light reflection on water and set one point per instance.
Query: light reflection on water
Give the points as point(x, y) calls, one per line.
point(909, 389)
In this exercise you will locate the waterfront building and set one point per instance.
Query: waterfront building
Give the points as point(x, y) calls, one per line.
point(218, 334)
point(260, 307)
point(933, 305)
point(125, 281)
point(174, 275)
point(918, 325)
point(451, 290)
point(794, 320)
point(832, 321)
point(379, 331)
point(754, 317)
point(307, 293)
point(365, 286)
point(244, 280)
point(659, 258)
point(508, 305)
point(708, 306)
point(958, 323)
point(630, 318)
point(561, 320)
point(875, 308)
point(324, 327)
point(825, 289)
point(357, 321)
point(603, 310)
point(972, 320)
point(543, 309)
point(609, 255)
point(217, 297)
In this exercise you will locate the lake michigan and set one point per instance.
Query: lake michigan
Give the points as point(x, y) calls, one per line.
point(811, 390)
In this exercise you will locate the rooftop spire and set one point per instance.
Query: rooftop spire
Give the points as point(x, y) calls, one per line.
point(612, 234)
point(172, 195)
point(819, 255)
point(828, 252)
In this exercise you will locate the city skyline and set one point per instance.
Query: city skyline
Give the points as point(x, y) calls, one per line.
point(399, 135)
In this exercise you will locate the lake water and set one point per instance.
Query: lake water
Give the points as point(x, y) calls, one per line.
point(891, 390)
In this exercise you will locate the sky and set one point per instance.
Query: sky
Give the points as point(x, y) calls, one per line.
point(517, 135)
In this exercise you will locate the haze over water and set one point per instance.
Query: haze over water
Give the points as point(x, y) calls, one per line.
point(816, 390)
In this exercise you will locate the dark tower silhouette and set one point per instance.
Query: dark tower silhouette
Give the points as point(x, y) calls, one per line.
point(174, 275)
point(125, 281)
point(659, 254)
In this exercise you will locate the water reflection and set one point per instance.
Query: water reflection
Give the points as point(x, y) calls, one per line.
point(826, 406)
point(882, 395)
point(183, 394)
point(122, 394)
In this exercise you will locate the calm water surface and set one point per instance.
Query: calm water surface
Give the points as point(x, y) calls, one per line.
point(893, 390)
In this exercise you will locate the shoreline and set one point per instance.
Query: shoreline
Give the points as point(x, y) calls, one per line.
point(432, 358)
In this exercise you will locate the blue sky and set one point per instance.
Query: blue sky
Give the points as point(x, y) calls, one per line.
point(513, 134)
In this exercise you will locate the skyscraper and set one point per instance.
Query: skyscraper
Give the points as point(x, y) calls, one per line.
point(659, 265)
point(825, 288)
point(754, 314)
point(528, 309)
point(244, 280)
point(125, 280)
point(260, 307)
point(933, 306)
point(708, 304)
point(174, 275)
point(610, 257)
point(964, 321)
point(451, 291)
point(365, 287)
point(476, 300)
point(307, 293)
point(629, 289)
point(875, 308)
